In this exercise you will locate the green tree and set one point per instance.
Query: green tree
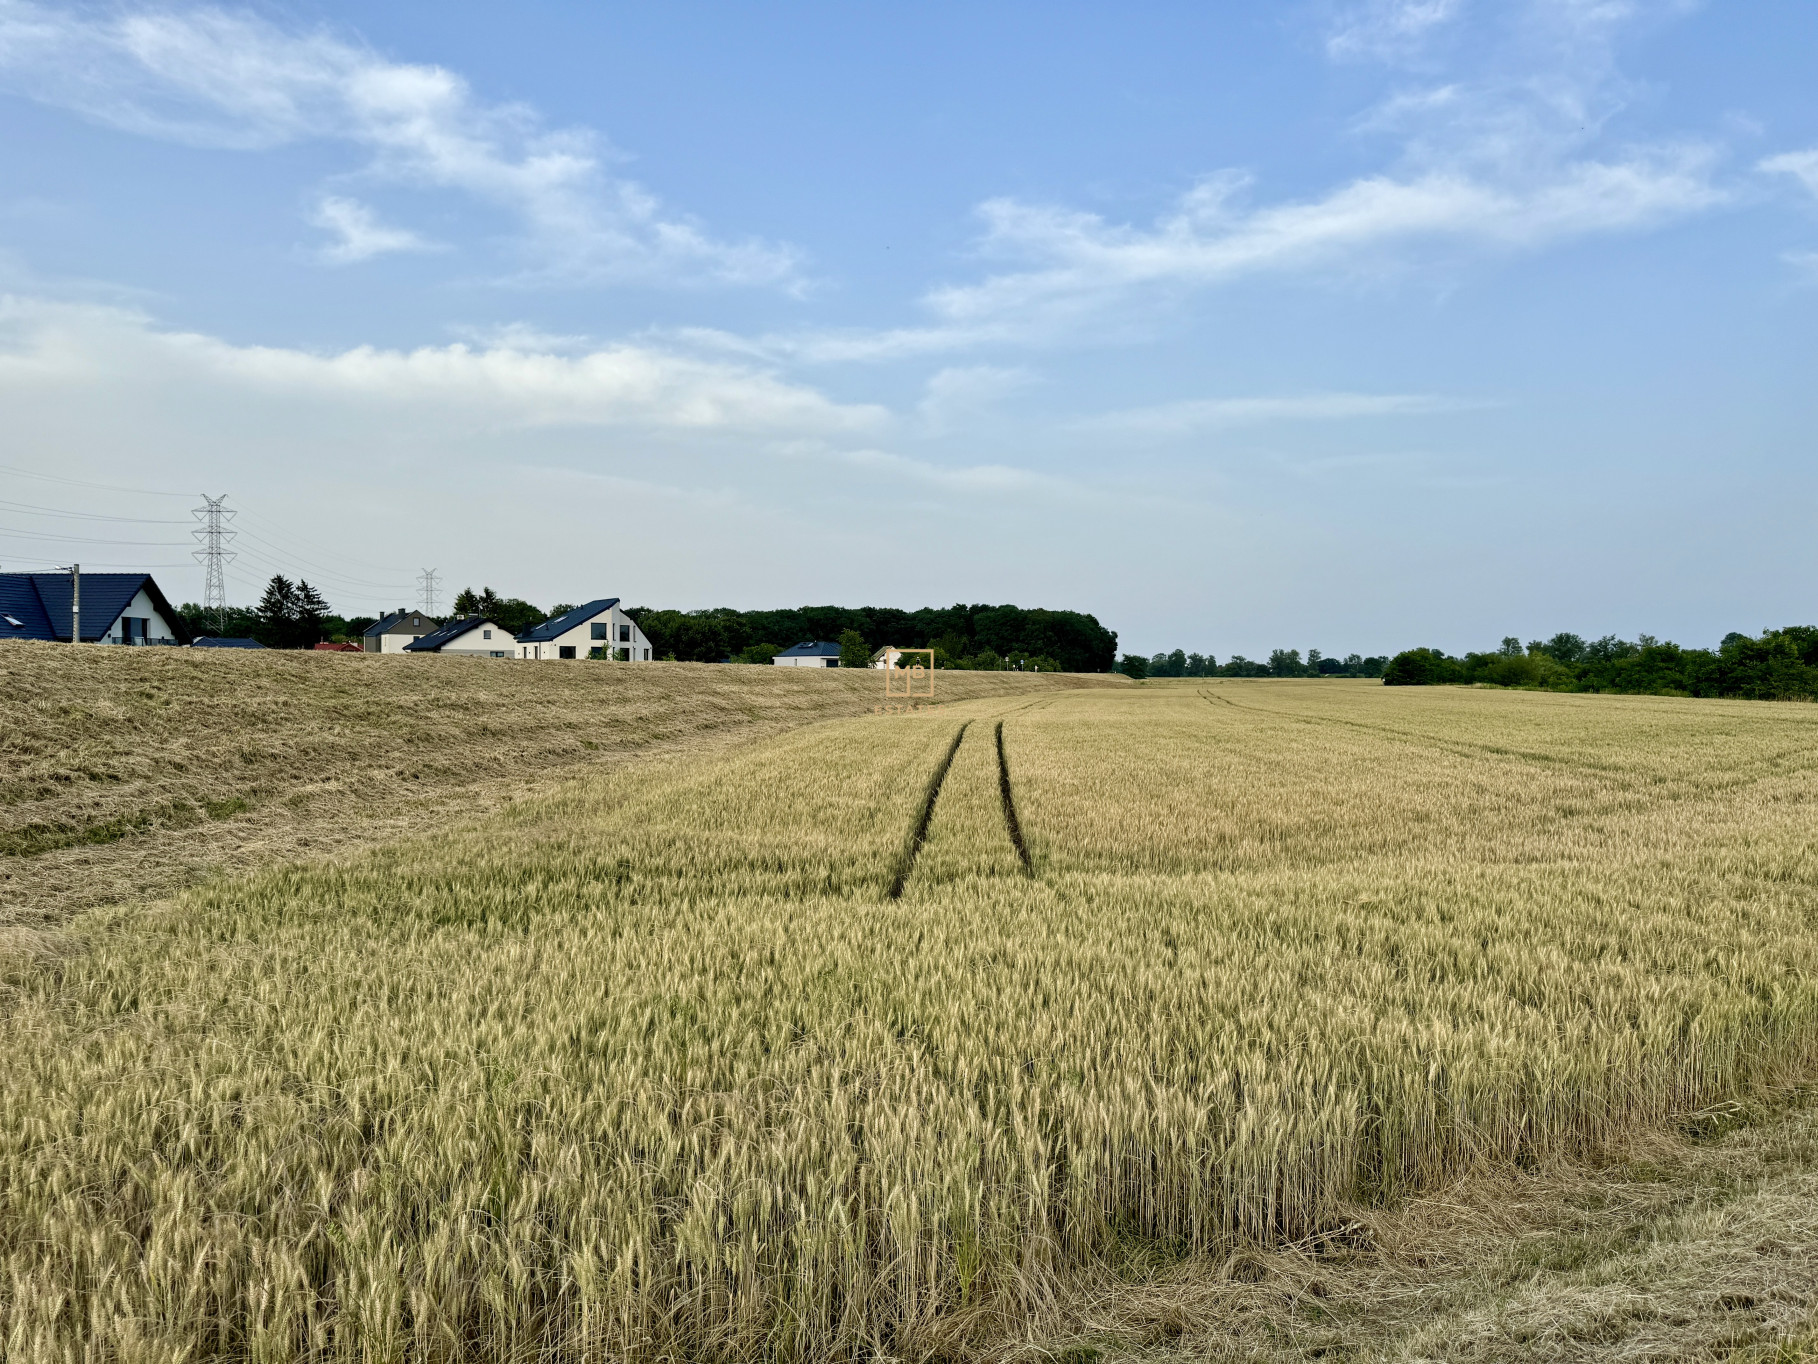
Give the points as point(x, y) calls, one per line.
point(854, 652)
point(1133, 665)
point(1285, 663)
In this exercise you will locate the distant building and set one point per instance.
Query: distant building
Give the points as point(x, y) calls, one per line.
point(392, 634)
point(474, 636)
point(213, 642)
point(116, 608)
point(809, 654)
point(324, 647)
point(600, 629)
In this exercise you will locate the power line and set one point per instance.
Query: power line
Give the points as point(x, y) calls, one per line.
point(89, 516)
point(85, 483)
point(214, 553)
point(81, 539)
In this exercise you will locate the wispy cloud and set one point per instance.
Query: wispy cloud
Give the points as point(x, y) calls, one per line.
point(45, 344)
point(1214, 414)
point(361, 235)
point(1500, 156)
point(1387, 29)
point(1802, 166)
point(214, 78)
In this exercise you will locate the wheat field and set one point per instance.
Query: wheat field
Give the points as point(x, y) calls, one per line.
point(871, 1038)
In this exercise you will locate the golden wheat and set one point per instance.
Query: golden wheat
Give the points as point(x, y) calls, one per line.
point(768, 1057)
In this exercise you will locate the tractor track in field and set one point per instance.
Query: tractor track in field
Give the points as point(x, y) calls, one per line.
point(919, 834)
point(1011, 822)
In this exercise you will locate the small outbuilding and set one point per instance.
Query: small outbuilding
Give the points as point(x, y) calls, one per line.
point(600, 629)
point(222, 642)
point(473, 636)
point(809, 654)
point(397, 631)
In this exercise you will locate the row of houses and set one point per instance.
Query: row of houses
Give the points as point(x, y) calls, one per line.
point(129, 609)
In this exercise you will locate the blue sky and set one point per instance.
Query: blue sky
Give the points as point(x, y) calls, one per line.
point(1338, 325)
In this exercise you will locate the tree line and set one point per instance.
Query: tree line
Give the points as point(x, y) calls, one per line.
point(1775, 665)
point(977, 636)
point(294, 615)
point(1282, 663)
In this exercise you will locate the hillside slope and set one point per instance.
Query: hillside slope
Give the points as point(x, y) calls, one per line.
point(129, 773)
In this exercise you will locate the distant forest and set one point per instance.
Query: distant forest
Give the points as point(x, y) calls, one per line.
point(961, 636)
point(1776, 665)
point(1282, 663)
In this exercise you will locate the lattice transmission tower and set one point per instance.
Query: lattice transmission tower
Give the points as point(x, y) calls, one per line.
point(214, 554)
point(427, 591)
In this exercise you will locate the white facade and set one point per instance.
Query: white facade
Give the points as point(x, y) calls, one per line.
point(485, 640)
point(809, 661)
point(139, 623)
point(611, 630)
point(409, 627)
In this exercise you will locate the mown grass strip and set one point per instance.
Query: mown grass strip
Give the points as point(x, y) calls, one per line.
point(1011, 822)
point(919, 834)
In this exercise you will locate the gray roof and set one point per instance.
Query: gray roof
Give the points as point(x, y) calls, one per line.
point(383, 625)
point(818, 648)
point(449, 632)
point(212, 642)
point(565, 622)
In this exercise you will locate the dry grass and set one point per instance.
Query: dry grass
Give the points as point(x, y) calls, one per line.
point(129, 773)
point(1294, 1044)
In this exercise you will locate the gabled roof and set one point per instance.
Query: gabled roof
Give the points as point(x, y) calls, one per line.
point(385, 622)
point(40, 603)
point(449, 633)
point(565, 622)
point(818, 648)
point(212, 642)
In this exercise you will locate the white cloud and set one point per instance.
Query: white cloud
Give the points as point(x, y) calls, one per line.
point(1387, 29)
point(211, 78)
point(362, 235)
point(46, 344)
point(1211, 414)
point(1802, 166)
point(1082, 264)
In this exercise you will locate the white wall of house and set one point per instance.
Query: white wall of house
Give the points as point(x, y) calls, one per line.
point(807, 662)
point(621, 639)
point(485, 640)
point(156, 628)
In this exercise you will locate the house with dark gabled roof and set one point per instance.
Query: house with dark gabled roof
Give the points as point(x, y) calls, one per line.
point(116, 608)
point(474, 636)
point(600, 629)
point(811, 653)
point(397, 631)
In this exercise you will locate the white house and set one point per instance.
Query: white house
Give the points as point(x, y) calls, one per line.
point(600, 629)
point(809, 654)
point(396, 632)
point(474, 636)
point(113, 608)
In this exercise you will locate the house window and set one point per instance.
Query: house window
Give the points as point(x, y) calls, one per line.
point(624, 655)
point(624, 634)
point(565, 651)
point(833, 663)
point(647, 655)
point(601, 630)
point(485, 634)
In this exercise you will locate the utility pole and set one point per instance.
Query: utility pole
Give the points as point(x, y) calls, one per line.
point(214, 535)
point(426, 591)
point(75, 603)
